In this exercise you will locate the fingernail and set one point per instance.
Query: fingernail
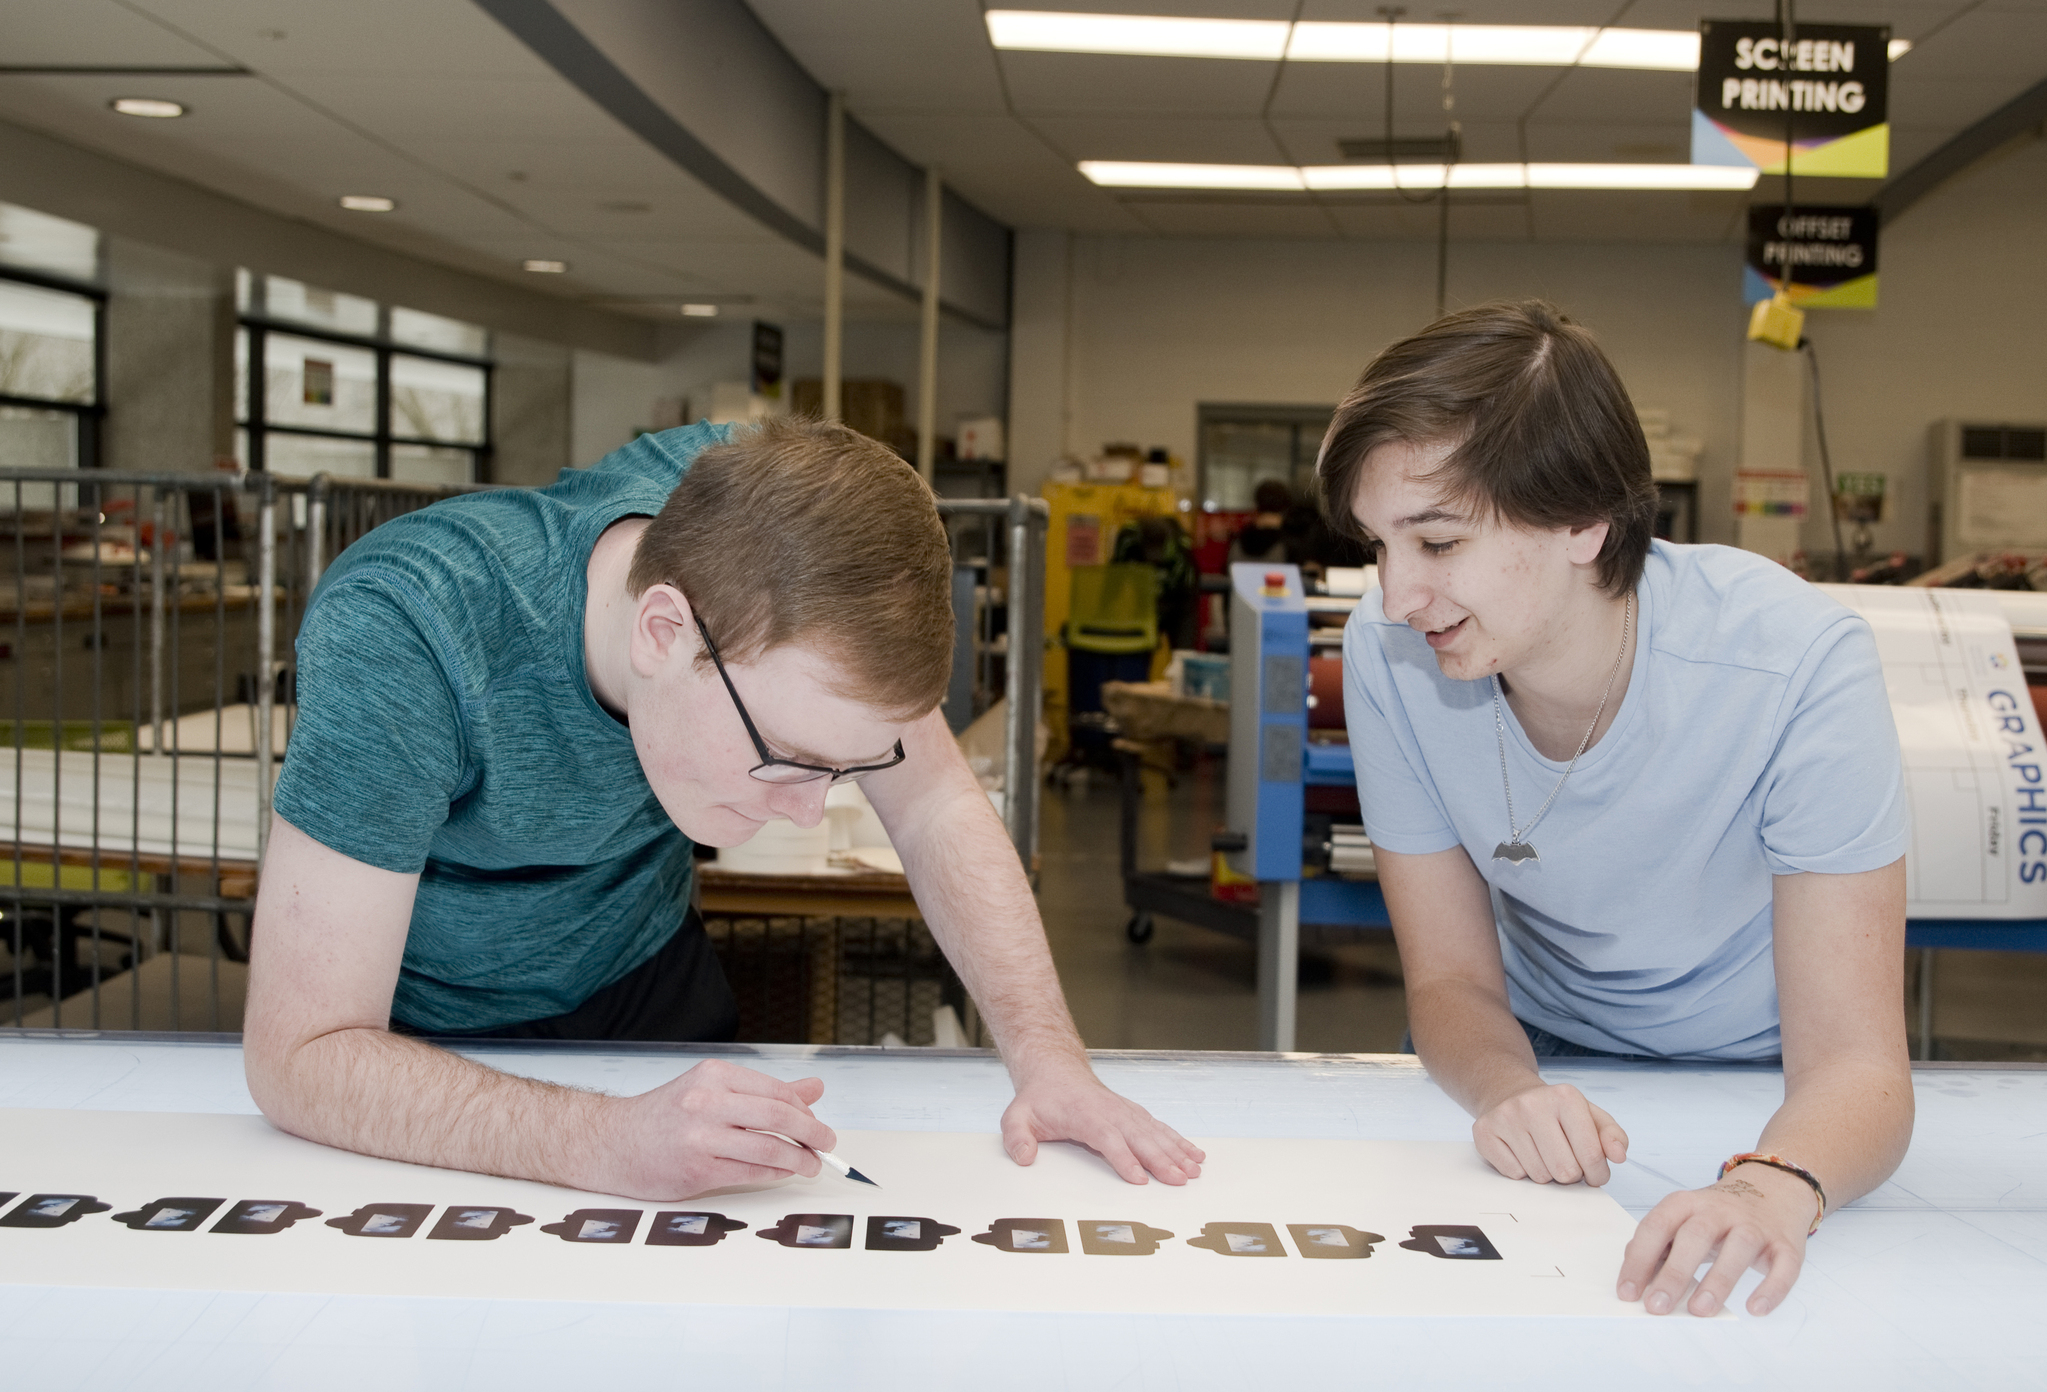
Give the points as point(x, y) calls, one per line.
point(1629, 1290)
point(1708, 1302)
point(1659, 1303)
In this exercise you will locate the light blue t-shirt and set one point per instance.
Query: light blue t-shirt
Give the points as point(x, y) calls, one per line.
point(1755, 739)
point(447, 729)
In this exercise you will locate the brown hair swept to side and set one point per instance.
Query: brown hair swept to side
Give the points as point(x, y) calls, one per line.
point(802, 531)
point(1547, 437)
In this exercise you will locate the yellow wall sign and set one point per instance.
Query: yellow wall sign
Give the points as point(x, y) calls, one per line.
point(1821, 89)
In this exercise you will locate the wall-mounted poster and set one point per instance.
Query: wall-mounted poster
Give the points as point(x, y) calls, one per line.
point(1828, 255)
point(1827, 88)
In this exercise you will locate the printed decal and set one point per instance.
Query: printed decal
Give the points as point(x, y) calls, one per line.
point(52, 1210)
point(610, 1226)
point(1025, 1235)
point(461, 1224)
point(1332, 1241)
point(383, 1220)
point(825, 1231)
point(1110, 1237)
point(676, 1229)
point(1239, 1240)
point(262, 1217)
point(906, 1234)
point(1452, 1243)
point(170, 1215)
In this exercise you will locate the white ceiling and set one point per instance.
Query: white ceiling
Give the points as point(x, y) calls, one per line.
point(494, 157)
point(1008, 128)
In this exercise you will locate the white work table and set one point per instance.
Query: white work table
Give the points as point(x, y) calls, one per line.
point(1932, 1281)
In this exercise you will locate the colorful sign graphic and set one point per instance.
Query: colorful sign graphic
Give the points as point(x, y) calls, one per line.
point(1827, 254)
point(1826, 89)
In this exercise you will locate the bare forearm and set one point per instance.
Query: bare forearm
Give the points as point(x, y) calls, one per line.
point(382, 1094)
point(1848, 1122)
point(973, 894)
point(1474, 1048)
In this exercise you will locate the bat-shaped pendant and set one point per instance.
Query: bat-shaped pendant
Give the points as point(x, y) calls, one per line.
point(1514, 852)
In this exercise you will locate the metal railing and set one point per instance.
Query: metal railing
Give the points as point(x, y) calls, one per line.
point(149, 632)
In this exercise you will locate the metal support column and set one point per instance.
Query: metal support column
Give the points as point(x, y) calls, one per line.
point(1024, 678)
point(266, 652)
point(927, 358)
point(1279, 962)
point(834, 252)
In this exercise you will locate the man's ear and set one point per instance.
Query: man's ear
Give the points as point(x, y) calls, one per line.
point(1585, 543)
point(664, 632)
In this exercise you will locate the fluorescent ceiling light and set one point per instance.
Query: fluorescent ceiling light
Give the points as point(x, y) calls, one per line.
point(1158, 36)
point(153, 107)
point(1898, 49)
point(368, 203)
point(1314, 41)
point(543, 267)
point(1127, 174)
point(1547, 45)
point(700, 311)
point(1341, 177)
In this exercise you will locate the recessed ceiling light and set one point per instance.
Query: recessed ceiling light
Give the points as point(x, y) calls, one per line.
point(541, 267)
point(1313, 41)
point(153, 107)
point(1340, 177)
point(701, 311)
point(368, 203)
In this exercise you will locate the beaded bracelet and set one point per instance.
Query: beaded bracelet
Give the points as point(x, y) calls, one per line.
point(1778, 1162)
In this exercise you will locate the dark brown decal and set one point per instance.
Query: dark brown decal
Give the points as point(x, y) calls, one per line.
point(460, 1224)
point(262, 1217)
point(906, 1234)
point(609, 1226)
point(824, 1231)
point(170, 1215)
point(1452, 1244)
point(52, 1210)
point(383, 1220)
point(673, 1228)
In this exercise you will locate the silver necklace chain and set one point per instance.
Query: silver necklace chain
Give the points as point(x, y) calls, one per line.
point(1515, 847)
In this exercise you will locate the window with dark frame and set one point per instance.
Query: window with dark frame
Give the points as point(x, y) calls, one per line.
point(52, 342)
point(338, 384)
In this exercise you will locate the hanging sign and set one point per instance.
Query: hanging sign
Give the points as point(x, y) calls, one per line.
point(1829, 87)
point(1829, 255)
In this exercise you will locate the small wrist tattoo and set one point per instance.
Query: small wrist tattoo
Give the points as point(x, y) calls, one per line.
point(1742, 1187)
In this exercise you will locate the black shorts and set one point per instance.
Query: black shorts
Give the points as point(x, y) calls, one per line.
point(677, 996)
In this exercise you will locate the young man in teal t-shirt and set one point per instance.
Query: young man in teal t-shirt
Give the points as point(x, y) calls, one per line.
point(518, 710)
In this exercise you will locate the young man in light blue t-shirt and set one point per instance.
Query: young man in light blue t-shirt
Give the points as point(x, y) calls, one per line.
point(1628, 798)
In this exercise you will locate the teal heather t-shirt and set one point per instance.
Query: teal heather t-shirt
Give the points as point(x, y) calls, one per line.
point(446, 728)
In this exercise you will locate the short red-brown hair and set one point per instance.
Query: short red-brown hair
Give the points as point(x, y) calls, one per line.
point(803, 531)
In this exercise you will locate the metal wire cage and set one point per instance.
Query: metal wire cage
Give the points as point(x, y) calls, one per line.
point(147, 622)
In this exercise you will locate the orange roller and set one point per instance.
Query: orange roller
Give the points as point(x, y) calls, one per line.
point(1325, 684)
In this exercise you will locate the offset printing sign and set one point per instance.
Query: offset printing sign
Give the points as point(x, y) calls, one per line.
point(1829, 86)
point(1827, 254)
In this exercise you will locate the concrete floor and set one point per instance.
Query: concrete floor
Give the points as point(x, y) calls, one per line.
point(1190, 988)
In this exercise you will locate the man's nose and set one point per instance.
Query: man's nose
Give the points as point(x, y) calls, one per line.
point(1405, 597)
point(801, 803)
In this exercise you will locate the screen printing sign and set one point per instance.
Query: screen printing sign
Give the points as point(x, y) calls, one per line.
point(1827, 90)
point(1827, 255)
point(1313, 1227)
point(1975, 763)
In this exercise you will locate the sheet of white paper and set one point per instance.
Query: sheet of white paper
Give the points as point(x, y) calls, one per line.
point(1975, 767)
point(1272, 1227)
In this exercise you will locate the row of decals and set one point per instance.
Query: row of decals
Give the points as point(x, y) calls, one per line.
point(816, 1231)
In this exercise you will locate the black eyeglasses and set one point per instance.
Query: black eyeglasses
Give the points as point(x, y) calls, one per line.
point(773, 768)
